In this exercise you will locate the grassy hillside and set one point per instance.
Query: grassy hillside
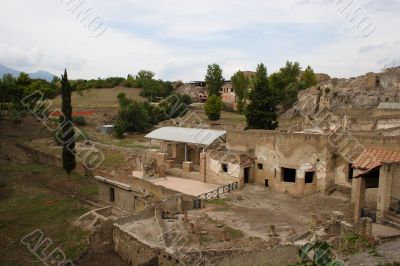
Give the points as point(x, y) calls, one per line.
point(100, 98)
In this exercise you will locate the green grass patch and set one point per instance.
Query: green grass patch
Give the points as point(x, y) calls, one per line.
point(35, 205)
point(222, 204)
point(112, 159)
point(204, 239)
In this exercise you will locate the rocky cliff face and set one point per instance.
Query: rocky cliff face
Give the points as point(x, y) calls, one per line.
point(365, 92)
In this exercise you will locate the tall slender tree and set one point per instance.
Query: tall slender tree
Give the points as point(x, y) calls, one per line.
point(68, 133)
point(261, 112)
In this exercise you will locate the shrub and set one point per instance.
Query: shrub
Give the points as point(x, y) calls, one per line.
point(16, 116)
point(79, 120)
point(213, 107)
point(82, 136)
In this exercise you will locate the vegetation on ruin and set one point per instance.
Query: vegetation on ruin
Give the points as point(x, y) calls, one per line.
point(317, 253)
point(351, 243)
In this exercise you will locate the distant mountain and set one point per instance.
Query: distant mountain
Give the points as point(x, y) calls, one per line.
point(6, 70)
point(37, 75)
point(42, 75)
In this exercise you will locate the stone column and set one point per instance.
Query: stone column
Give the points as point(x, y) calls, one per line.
point(300, 181)
point(160, 158)
point(179, 205)
point(359, 197)
point(384, 192)
point(203, 166)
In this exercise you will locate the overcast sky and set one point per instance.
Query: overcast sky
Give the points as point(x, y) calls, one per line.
point(177, 39)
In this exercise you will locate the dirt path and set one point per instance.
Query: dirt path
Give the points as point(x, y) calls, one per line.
point(254, 209)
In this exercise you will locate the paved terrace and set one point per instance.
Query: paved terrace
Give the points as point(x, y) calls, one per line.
point(185, 186)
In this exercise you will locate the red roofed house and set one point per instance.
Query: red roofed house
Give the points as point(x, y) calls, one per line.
point(378, 170)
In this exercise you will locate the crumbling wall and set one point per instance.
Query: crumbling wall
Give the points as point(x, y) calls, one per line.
point(53, 160)
point(133, 250)
point(274, 150)
point(386, 123)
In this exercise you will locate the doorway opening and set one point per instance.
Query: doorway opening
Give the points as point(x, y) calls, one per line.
point(246, 175)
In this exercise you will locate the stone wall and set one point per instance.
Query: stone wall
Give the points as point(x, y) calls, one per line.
point(388, 123)
point(275, 150)
point(123, 198)
point(53, 160)
point(278, 256)
point(135, 251)
point(126, 200)
point(395, 168)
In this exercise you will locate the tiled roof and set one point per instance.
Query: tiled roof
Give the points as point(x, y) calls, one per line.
point(372, 158)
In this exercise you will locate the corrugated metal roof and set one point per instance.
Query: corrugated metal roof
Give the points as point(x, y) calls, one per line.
point(389, 106)
point(372, 158)
point(187, 135)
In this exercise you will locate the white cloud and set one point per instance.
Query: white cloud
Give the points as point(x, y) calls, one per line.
point(177, 39)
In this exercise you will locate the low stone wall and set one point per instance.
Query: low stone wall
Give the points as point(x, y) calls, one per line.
point(53, 160)
point(278, 256)
point(135, 251)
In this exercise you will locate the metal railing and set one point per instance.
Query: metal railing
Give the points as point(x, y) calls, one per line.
point(215, 194)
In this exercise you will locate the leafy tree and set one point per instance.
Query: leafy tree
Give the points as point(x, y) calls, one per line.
point(285, 83)
point(153, 89)
point(240, 84)
point(145, 75)
point(23, 79)
point(175, 106)
point(213, 107)
point(133, 118)
point(123, 100)
point(308, 79)
point(214, 79)
point(68, 136)
point(261, 112)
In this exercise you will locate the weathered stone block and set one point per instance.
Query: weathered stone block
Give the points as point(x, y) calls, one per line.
point(188, 167)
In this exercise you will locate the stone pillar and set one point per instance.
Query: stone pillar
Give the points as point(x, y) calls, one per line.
point(188, 167)
point(203, 166)
point(359, 197)
point(160, 158)
point(179, 205)
point(300, 181)
point(384, 192)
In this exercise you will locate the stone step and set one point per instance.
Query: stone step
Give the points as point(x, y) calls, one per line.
point(393, 220)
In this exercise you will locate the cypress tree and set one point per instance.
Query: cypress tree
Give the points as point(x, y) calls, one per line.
point(261, 112)
point(68, 133)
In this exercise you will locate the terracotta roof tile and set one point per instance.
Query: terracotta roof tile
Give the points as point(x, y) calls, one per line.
point(372, 158)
